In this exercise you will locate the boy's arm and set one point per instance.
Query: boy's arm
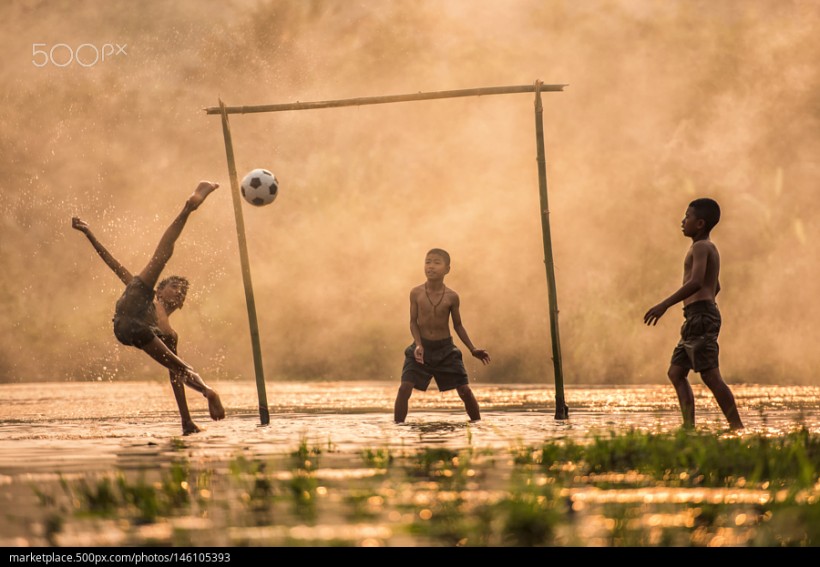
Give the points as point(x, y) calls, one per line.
point(458, 327)
point(418, 352)
point(110, 261)
point(700, 254)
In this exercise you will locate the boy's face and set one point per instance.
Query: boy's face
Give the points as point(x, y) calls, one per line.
point(173, 294)
point(435, 267)
point(691, 225)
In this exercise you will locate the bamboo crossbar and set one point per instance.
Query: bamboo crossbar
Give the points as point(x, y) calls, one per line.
point(361, 101)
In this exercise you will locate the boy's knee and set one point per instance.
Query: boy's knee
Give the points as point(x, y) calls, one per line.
point(712, 377)
point(177, 377)
point(464, 391)
point(406, 389)
point(677, 374)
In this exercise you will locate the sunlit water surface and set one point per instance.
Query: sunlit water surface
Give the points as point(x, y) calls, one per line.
point(53, 431)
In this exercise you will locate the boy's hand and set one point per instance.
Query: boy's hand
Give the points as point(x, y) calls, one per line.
point(651, 317)
point(79, 224)
point(481, 355)
point(419, 354)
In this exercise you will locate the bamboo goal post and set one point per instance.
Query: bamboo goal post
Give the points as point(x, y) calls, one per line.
point(561, 409)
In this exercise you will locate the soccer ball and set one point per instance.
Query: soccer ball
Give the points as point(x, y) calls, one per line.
point(259, 187)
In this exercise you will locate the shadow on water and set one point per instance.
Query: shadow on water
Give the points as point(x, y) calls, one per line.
point(437, 427)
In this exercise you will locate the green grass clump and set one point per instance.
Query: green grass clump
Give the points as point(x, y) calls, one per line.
point(303, 484)
point(118, 497)
point(794, 457)
point(706, 459)
point(377, 458)
point(430, 462)
point(95, 498)
point(790, 524)
point(305, 457)
point(530, 517)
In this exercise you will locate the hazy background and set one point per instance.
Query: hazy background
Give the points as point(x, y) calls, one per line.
point(667, 101)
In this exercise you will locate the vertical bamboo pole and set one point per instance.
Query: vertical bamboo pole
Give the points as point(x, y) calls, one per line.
point(561, 409)
point(264, 415)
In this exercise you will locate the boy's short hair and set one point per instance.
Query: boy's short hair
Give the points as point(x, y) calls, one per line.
point(708, 210)
point(442, 253)
point(182, 280)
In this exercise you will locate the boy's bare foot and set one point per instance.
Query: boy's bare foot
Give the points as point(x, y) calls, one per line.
point(215, 405)
point(202, 190)
point(189, 428)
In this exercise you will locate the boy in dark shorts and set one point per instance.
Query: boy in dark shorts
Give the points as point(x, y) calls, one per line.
point(698, 347)
point(141, 314)
point(433, 354)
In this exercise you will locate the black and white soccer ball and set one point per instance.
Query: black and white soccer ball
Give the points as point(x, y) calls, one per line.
point(259, 187)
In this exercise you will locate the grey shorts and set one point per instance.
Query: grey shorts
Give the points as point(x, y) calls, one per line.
point(442, 362)
point(135, 317)
point(698, 346)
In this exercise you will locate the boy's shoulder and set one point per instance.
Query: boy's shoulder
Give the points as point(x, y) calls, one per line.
point(416, 291)
point(452, 295)
point(706, 244)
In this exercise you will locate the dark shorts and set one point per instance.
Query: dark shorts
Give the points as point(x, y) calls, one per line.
point(698, 347)
point(135, 317)
point(442, 361)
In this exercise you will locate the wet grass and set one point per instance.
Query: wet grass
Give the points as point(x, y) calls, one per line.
point(115, 496)
point(377, 458)
point(629, 489)
point(687, 458)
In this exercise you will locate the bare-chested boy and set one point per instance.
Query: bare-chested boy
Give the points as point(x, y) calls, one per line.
point(433, 353)
point(698, 347)
point(141, 314)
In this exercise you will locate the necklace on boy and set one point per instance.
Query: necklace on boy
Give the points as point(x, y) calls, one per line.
point(443, 291)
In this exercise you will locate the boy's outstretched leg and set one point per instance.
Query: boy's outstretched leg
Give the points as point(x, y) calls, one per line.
point(202, 190)
point(165, 248)
point(215, 405)
point(402, 402)
point(470, 403)
point(194, 381)
point(686, 398)
point(160, 352)
point(723, 395)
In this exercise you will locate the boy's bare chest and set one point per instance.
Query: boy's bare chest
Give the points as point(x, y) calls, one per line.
point(162, 321)
point(433, 307)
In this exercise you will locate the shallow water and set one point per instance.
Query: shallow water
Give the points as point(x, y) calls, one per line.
point(56, 432)
point(71, 423)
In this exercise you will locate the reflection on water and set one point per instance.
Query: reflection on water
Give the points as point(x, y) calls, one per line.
point(140, 416)
point(82, 426)
point(332, 469)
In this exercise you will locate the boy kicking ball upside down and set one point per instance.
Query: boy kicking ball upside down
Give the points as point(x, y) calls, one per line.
point(141, 314)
